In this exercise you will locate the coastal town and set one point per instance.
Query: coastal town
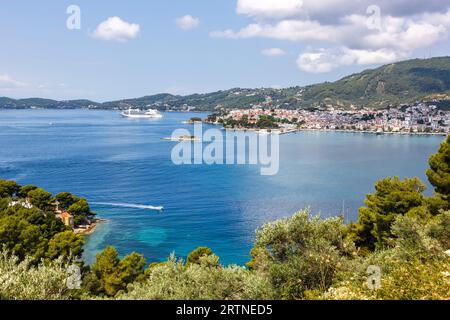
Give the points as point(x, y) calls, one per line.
point(408, 119)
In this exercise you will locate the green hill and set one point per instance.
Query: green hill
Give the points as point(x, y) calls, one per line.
point(8, 103)
point(397, 83)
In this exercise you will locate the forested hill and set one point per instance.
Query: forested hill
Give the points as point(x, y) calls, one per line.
point(8, 103)
point(393, 84)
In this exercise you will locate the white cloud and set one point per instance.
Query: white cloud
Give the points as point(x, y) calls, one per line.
point(316, 62)
point(187, 22)
point(115, 29)
point(326, 60)
point(342, 26)
point(326, 11)
point(6, 82)
point(269, 8)
point(292, 30)
point(273, 52)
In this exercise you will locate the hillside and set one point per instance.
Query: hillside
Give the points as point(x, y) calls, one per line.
point(397, 83)
point(393, 84)
point(8, 103)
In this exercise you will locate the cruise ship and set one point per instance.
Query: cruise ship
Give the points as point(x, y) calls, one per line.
point(141, 114)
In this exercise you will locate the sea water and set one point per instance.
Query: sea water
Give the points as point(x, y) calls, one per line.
point(125, 171)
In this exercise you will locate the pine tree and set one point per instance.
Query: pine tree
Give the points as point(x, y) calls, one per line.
point(439, 172)
point(392, 197)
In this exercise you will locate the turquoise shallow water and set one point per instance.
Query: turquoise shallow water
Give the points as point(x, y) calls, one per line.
point(111, 160)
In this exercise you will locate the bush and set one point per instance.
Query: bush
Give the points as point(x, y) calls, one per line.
point(439, 229)
point(415, 268)
point(174, 280)
point(301, 254)
point(194, 256)
point(23, 281)
point(414, 279)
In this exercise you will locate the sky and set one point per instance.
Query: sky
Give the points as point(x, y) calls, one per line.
point(107, 50)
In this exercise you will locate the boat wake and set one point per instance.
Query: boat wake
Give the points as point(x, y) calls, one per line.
point(130, 205)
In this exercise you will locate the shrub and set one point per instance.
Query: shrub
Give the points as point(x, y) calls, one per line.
point(23, 281)
point(415, 268)
point(205, 280)
point(301, 254)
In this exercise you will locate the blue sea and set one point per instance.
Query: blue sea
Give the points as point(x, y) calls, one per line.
point(122, 166)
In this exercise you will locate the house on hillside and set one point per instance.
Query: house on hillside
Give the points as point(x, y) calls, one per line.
point(26, 204)
point(56, 207)
point(67, 218)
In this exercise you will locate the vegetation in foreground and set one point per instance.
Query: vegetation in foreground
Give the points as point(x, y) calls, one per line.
point(399, 230)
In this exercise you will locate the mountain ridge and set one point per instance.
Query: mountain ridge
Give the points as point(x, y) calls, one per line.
point(393, 84)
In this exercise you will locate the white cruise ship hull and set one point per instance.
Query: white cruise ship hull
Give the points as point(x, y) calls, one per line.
point(138, 114)
point(141, 116)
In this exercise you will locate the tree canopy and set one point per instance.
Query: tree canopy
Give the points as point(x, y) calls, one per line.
point(392, 197)
point(439, 172)
point(194, 256)
point(110, 274)
point(34, 232)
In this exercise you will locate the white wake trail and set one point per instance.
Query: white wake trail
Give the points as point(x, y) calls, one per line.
point(130, 205)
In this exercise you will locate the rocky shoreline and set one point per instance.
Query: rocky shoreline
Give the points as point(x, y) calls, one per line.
point(91, 229)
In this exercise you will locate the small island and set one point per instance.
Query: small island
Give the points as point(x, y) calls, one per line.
point(193, 120)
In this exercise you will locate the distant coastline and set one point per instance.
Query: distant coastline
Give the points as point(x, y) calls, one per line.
point(404, 85)
point(379, 133)
point(281, 132)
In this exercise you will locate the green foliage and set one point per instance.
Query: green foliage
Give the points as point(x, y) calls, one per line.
point(23, 280)
point(44, 103)
point(40, 199)
point(392, 197)
point(266, 122)
point(65, 244)
point(21, 236)
point(66, 199)
point(34, 233)
point(439, 229)
point(194, 256)
point(79, 220)
point(436, 204)
point(204, 280)
point(415, 279)
point(402, 82)
point(8, 188)
point(439, 172)
point(4, 203)
point(299, 254)
point(23, 193)
point(415, 268)
point(80, 208)
point(110, 274)
point(104, 269)
point(27, 232)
